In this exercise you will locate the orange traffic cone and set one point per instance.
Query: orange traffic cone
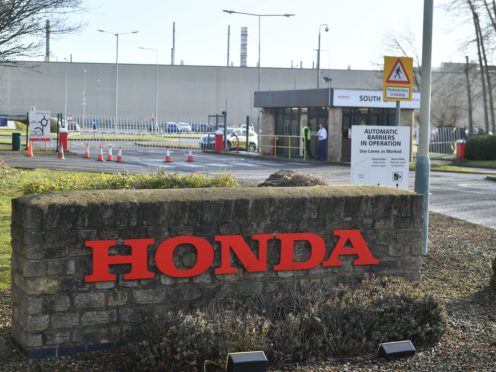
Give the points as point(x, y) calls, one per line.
point(119, 155)
point(100, 155)
point(190, 154)
point(60, 155)
point(86, 154)
point(30, 149)
point(109, 156)
point(167, 156)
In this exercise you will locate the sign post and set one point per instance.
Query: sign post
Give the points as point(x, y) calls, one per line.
point(397, 82)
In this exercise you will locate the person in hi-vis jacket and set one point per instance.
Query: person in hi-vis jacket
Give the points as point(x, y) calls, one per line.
point(306, 137)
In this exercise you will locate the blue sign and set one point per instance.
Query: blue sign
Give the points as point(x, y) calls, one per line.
point(3, 121)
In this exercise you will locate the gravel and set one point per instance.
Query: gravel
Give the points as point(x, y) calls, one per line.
point(457, 270)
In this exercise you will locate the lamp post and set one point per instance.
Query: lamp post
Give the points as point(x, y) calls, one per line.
point(318, 53)
point(287, 15)
point(84, 98)
point(156, 83)
point(116, 34)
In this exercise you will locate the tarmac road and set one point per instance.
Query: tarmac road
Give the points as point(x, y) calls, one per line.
point(471, 197)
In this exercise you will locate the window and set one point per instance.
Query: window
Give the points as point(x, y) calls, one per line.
point(366, 116)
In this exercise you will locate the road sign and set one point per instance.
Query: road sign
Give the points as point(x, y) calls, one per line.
point(39, 125)
point(380, 155)
point(398, 77)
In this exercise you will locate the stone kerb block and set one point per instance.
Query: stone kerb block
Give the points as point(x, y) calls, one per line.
point(57, 311)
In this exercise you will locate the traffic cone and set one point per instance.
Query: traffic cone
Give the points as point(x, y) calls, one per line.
point(119, 155)
point(109, 156)
point(30, 149)
point(167, 156)
point(100, 155)
point(190, 154)
point(86, 154)
point(60, 155)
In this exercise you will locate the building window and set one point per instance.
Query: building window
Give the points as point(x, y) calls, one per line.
point(366, 116)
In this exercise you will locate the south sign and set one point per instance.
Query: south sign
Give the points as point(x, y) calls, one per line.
point(349, 243)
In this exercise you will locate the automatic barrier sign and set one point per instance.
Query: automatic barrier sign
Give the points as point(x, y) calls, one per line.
point(39, 125)
point(380, 155)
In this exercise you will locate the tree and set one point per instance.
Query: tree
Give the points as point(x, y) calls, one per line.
point(22, 25)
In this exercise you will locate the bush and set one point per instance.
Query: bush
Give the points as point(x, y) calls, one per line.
point(21, 126)
point(308, 323)
point(481, 148)
point(161, 180)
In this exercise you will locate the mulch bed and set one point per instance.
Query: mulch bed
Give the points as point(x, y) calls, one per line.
point(457, 270)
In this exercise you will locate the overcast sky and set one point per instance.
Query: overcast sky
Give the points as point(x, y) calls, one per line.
point(356, 38)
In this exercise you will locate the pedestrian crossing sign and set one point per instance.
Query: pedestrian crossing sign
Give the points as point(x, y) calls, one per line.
point(398, 77)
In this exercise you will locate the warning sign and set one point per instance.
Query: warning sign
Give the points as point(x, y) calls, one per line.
point(380, 155)
point(398, 76)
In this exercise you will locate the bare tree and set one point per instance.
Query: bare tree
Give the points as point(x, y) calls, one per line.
point(404, 43)
point(22, 25)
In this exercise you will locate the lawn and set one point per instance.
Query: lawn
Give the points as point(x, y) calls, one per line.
point(11, 181)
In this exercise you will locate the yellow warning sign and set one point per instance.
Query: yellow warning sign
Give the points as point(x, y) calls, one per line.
point(398, 77)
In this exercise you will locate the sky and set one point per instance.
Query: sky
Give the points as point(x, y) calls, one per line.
point(357, 36)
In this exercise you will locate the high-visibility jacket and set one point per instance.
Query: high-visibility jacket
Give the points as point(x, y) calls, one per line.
point(306, 133)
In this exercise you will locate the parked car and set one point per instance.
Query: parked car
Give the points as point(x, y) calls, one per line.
point(184, 127)
point(173, 127)
point(237, 138)
point(207, 141)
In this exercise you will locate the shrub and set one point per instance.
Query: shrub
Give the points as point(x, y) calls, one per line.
point(481, 148)
point(310, 322)
point(161, 180)
point(21, 126)
point(191, 339)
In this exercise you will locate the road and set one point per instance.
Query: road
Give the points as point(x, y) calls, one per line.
point(470, 197)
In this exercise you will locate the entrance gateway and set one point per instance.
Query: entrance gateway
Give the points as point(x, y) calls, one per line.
point(284, 114)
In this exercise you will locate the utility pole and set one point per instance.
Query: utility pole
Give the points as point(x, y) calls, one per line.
point(228, 43)
point(422, 166)
point(173, 50)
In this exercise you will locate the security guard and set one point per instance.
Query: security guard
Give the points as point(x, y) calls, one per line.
point(306, 137)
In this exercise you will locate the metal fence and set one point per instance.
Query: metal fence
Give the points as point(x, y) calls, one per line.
point(443, 140)
point(108, 124)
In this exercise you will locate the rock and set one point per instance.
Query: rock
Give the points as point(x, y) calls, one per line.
point(288, 178)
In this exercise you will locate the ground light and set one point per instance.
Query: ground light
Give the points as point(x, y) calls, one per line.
point(251, 361)
point(396, 349)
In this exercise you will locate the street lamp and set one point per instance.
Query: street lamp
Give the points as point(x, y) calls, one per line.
point(156, 83)
point(116, 34)
point(318, 53)
point(259, 17)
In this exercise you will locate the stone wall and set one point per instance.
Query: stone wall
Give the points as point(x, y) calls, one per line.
point(56, 312)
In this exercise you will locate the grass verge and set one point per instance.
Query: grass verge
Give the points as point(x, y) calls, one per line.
point(16, 182)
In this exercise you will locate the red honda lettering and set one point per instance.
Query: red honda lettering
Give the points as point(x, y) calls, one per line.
point(102, 260)
point(242, 250)
point(317, 251)
point(358, 248)
point(164, 256)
